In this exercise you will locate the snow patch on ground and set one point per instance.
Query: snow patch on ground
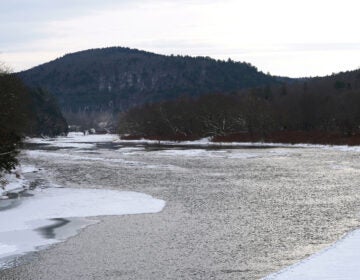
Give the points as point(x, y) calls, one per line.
point(340, 261)
point(18, 224)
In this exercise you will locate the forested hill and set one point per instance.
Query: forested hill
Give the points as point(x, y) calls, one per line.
point(118, 78)
point(322, 110)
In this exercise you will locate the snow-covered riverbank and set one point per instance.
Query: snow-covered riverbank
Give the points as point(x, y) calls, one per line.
point(79, 140)
point(14, 182)
point(75, 140)
point(12, 185)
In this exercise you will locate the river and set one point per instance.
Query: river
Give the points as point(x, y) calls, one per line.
point(230, 213)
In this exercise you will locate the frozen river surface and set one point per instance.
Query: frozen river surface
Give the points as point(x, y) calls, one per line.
point(240, 213)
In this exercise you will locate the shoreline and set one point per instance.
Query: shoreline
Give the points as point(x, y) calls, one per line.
point(78, 140)
point(321, 265)
point(279, 138)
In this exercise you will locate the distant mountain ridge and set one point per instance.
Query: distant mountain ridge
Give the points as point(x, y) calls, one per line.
point(115, 79)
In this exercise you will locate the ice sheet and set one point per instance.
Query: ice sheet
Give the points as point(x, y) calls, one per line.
point(13, 185)
point(78, 140)
point(74, 137)
point(340, 261)
point(238, 154)
point(207, 142)
point(17, 224)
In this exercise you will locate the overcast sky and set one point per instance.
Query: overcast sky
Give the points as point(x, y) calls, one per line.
point(284, 37)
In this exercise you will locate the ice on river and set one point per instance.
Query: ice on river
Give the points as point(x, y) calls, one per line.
point(340, 261)
point(81, 141)
point(207, 153)
point(75, 140)
point(18, 225)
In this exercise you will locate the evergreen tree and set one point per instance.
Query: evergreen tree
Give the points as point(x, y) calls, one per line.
point(13, 117)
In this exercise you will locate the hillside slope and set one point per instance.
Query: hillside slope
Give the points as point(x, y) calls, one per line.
point(114, 79)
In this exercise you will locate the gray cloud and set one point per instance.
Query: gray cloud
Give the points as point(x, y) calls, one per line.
point(15, 36)
point(23, 22)
point(34, 30)
point(323, 47)
point(44, 10)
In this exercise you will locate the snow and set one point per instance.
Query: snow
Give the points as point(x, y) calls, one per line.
point(15, 182)
point(189, 153)
point(70, 145)
point(5, 249)
point(340, 261)
point(200, 142)
point(29, 169)
point(236, 154)
point(79, 140)
point(18, 224)
point(66, 202)
point(75, 139)
point(14, 185)
point(206, 142)
point(344, 148)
